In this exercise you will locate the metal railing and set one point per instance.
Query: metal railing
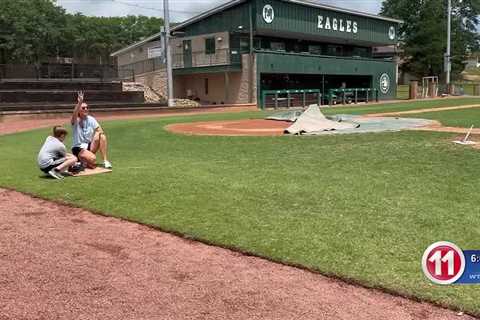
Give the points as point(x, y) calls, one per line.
point(202, 59)
point(352, 95)
point(290, 98)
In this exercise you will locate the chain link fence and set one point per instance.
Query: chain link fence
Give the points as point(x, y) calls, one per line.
point(459, 89)
point(58, 71)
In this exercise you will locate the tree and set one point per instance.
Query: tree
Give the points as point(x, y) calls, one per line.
point(423, 36)
point(29, 29)
point(98, 37)
point(32, 31)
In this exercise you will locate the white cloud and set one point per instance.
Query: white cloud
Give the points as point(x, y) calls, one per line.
point(180, 9)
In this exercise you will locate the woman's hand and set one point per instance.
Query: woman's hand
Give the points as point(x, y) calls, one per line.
point(80, 97)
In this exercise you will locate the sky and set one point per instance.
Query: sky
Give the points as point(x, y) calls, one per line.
point(181, 10)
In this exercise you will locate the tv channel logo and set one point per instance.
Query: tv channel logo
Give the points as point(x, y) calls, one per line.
point(445, 263)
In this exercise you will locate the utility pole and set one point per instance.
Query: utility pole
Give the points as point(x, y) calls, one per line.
point(251, 56)
point(448, 61)
point(168, 55)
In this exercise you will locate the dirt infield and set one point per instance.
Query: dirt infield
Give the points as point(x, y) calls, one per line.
point(249, 127)
point(438, 127)
point(58, 262)
point(399, 113)
point(13, 124)
point(262, 127)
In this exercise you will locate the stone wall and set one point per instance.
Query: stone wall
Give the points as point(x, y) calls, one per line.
point(157, 80)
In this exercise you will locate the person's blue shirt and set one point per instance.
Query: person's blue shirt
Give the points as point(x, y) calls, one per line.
point(83, 131)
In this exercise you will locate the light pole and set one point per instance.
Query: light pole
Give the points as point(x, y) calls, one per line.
point(168, 56)
point(447, 56)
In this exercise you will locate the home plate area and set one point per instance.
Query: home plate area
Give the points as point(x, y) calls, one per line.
point(91, 172)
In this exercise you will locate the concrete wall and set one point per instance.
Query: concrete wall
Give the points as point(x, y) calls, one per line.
point(137, 54)
point(216, 87)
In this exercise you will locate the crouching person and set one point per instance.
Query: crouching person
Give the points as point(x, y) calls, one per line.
point(53, 158)
point(88, 136)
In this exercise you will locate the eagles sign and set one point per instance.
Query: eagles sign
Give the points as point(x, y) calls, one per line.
point(335, 24)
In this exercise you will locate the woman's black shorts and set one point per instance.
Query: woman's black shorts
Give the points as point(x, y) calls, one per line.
point(76, 150)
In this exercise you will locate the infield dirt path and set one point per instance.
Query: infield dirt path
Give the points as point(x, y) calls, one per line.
point(58, 262)
point(262, 127)
point(14, 124)
point(437, 127)
point(399, 113)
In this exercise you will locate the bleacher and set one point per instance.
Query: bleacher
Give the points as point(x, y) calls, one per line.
point(17, 95)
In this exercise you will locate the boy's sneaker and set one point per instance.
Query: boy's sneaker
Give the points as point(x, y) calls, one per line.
point(55, 174)
point(66, 174)
point(107, 164)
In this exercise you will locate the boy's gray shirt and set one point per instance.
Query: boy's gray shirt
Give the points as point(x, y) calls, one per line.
point(53, 149)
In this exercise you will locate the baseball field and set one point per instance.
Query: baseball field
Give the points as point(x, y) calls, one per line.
point(360, 207)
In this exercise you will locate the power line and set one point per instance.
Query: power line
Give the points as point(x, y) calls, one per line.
point(151, 8)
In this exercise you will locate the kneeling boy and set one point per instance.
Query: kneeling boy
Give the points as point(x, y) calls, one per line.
point(53, 158)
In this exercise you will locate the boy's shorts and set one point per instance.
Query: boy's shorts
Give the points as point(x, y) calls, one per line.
point(55, 163)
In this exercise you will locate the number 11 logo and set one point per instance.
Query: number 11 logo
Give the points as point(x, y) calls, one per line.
point(443, 262)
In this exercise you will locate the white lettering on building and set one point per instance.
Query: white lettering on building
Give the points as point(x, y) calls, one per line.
point(320, 22)
point(335, 24)
point(327, 23)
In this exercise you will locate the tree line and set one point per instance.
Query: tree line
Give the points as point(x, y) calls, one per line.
point(424, 33)
point(32, 31)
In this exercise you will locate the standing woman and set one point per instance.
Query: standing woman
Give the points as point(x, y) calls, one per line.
point(88, 136)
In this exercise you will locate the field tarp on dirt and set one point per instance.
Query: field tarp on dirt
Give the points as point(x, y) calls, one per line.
point(313, 120)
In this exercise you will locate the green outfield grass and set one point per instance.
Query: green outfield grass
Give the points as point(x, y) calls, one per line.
point(362, 207)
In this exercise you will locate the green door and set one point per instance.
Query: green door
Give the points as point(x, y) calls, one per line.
point(187, 53)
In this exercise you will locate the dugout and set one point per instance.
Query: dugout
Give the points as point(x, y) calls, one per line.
point(234, 52)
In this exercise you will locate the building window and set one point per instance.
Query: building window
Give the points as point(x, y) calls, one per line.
point(333, 50)
point(206, 86)
point(315, 49)
point(360, 52)
point(277, 46)
point(210, 46)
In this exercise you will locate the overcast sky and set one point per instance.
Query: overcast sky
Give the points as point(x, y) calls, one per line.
point(180, 9)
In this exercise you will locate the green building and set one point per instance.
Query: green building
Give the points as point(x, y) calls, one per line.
point(233, 53)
